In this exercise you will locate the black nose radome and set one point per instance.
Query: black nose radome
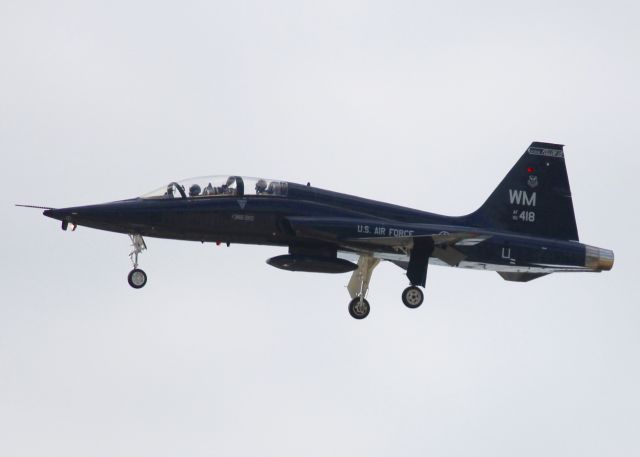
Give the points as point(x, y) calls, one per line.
point(58, 214)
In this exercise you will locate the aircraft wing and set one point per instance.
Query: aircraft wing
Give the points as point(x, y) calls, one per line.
point(456, 238)
point(445, 244)
point(370, 236)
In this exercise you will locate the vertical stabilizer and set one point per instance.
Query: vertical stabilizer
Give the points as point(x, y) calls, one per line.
point(534, 198)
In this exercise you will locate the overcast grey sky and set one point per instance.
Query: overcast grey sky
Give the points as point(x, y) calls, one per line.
point(425, 104)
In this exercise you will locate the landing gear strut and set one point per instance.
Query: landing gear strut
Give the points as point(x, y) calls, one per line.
point(413, 296)
point(137, 278)
point(359, 286)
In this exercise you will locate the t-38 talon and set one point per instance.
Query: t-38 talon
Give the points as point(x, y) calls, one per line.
point(526, 229)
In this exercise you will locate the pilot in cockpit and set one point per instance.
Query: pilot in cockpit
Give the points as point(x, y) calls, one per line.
point(227, 189)
point(194, 190)
point(209, 190)
point(261, 187)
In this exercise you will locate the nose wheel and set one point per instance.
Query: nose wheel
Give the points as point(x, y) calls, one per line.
point(137, 278)
point(412, 297)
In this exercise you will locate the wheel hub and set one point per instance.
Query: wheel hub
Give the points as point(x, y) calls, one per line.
point(137, 278)
point(360, 308)
point(413, 297)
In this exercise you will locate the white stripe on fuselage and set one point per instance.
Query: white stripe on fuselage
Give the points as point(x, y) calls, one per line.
point(537, 268)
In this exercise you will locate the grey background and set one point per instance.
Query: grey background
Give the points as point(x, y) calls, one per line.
point(425, 104)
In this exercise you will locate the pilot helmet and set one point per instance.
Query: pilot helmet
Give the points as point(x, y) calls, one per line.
point(261, 186)
point(194, 190)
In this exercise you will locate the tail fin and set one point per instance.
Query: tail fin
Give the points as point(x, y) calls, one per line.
point(534, 198)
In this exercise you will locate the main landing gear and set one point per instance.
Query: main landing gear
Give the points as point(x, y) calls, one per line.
point(359, 307)
point(412, 297)
point(359, 286)
point(137, 278)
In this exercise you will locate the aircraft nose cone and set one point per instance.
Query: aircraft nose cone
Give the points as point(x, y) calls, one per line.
point(58, 214)
point(80, 213)
point(63, 215)
point(104, 216)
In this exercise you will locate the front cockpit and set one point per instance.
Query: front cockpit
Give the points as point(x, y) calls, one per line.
point(220, 186)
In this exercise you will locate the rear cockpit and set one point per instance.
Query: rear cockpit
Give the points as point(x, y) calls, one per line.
point(220, 186)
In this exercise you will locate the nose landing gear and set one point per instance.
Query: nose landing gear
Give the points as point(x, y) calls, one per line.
point(137, 278)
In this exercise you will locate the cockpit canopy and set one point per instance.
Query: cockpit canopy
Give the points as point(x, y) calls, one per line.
point(220, 186)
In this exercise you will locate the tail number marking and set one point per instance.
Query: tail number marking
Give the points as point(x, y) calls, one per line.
point(521, 197)
point(524, 216)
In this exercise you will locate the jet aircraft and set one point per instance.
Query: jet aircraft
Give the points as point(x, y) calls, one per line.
point(526, 228)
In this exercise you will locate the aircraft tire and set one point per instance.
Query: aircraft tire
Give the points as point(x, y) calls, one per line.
point(137, 278)
point(412, 297)
point(359, 310)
